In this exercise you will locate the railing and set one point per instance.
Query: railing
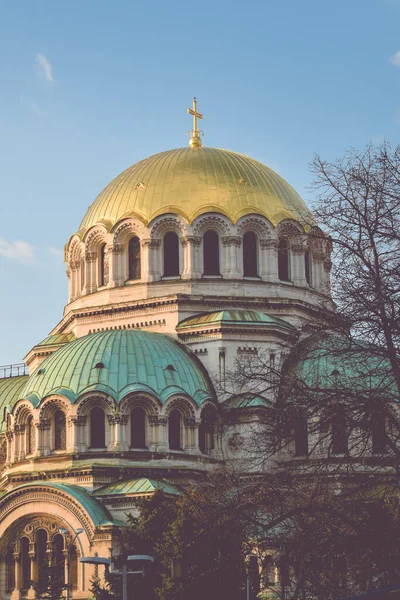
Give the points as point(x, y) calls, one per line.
point(13, 370)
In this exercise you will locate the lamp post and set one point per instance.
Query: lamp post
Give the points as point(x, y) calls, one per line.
point(65, 532)
point(142, 558)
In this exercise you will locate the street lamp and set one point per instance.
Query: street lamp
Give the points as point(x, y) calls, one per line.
point(65, 532)
point(142, 558)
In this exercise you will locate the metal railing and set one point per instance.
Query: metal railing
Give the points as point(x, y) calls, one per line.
point(13, 370)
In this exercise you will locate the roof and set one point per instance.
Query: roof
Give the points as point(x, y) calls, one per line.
point(137, 487)
point(248, 401)
point(10, 391)
point(333, 361)
point(191, 182)
point(97, 512)
point(230, 318)
point(57, 339)
point(119, 362)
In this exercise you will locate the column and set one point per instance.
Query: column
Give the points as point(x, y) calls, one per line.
point(81, 432)
point(90, 272)
point(36, 445)
point(327, 278)
point(72, 435)
point(231, 264)
point(19, 431)
point(118, 274)
point(16, 593)
point(73, 266)
point(298, 275)
point(44, 437)
point(191, 246)
point(117, 424)
point(269, 260)
point(34, 571)
point(159, 436)
point(151, 264)
point(318, 259)
point(10, 446)
point(192, 435)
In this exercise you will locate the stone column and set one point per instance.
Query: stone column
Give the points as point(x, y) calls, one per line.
point(318, 259)
point(118, 274)
point(19, 431)
point(269, 260)
point(159, 433)
point(298, 274)
point(44, 437)
point(327, 272)
point(191, 437)
point(72, 435)
point(191, 246)
point(10, 446)
point(80, 431)
point(74, 268)
point(231, 263)
point(90, 272)
point(16, 593)
point(117, 424)
point(151, 264)
point(34, 571)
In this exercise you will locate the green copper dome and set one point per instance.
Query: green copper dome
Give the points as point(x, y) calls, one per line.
point(117, 363)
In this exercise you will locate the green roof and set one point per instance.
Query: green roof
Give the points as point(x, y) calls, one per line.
point(134, 487)
point(244, 401)
point(129, 361)
point(254, 318)
point(333, 361)
point(10, 391)
point(58, 339)
point(98, 513)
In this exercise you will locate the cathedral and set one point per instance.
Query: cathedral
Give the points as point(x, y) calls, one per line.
point(186, 262)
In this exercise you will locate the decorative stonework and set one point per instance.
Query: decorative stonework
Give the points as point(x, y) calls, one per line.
point(232, 240)
point(191, 239)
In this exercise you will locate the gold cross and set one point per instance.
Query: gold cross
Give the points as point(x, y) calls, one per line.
point(196, 116)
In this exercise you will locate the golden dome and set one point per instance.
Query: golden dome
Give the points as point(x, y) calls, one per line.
point(193, 181)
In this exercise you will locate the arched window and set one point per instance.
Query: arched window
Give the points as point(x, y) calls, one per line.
point(41, 557)
point(378, 434)
point(171, 254)
point(307, 266)
point(283, 260)
point(10, 570)
point(300, 436)
point(174, 430)
point(97, 428)
point(339, 434)
point(268, 571)
point(206, 432)
point(134, 258)
point(103, 257)
point(58, 560)
point(250, 255)
point(31, 435)
point(25, 562)
point(138, 427)
point(60, 430)
point(211, 253)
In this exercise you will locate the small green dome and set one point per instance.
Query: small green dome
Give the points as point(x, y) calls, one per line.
point(117, 363)
point(226, 318)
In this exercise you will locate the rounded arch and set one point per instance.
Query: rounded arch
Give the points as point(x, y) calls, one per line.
point(257, 224)
point(126, 229)
point(23, 410)
point(151, 405)
point(161, 225)
point(95, 237)
point(186, 406)
point(222, 225)
point(87, 402)
point(75, 249)
point(51, 404)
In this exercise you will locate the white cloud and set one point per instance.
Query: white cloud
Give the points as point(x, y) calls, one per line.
point(44, 67)
point(395, 59)
point(56, 252)
point(17, 250)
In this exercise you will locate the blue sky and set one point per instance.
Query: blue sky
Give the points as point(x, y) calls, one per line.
point(89, 87)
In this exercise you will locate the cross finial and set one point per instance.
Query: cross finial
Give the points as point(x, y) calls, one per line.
point(195, 140)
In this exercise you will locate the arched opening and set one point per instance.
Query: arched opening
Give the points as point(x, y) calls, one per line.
point(174, 430)
point(10, 570)
point(97, 428)
point(339, 434)
point(283, 260)
point(58, 561)
point(250, 255)
point(25, 563)
point(378, 434)
point(60, 430)
point(307, 266)
point(171, 254)
point(268, 571)
point(300, 436)
point(134, 258)
point(206, 432)
point(103, 258)
point(211, 253)
point(138, 427)
point(31, 435)
point(73, 568)
point(41, 558)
